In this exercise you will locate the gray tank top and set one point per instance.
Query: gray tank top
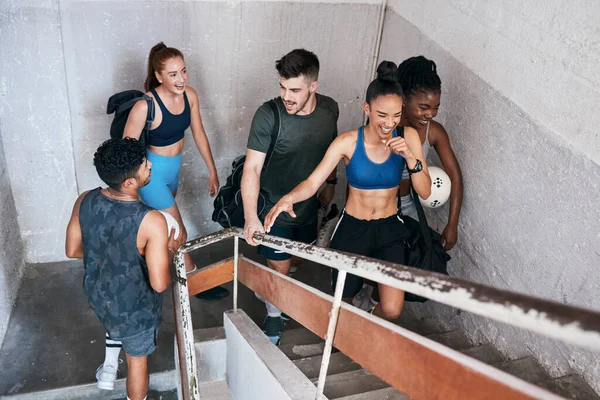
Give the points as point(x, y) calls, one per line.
point(116, 280)
point(426, 147)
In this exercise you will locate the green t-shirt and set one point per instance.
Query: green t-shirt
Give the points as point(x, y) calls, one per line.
point(301, 145)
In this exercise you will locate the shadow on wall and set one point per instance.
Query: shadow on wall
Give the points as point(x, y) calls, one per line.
point(12, 262)
point(529, 202)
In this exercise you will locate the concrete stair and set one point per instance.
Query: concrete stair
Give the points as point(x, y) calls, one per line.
point(346, 380)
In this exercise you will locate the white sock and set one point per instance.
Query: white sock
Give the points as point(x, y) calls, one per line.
point(272, 311)
point(258, 296)
point(113, 348)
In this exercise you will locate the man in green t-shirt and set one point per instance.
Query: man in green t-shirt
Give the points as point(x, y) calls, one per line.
point(308, 125)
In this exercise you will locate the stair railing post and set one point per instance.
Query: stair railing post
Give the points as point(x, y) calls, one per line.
point(236, 257)
point(185, 332)
point(333, 318)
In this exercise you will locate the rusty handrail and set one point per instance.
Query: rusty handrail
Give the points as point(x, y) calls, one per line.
point(567, 323)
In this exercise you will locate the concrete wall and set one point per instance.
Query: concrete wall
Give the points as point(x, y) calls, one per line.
point(63, 59)
point(519, 87)
point(35, 124)
point(11, 249)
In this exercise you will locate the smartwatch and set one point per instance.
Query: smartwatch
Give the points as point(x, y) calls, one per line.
point(418, 167)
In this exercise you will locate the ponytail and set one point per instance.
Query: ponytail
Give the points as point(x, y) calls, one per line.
point(159, 54)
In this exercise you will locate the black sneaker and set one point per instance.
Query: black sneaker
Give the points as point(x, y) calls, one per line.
point(272, 327)
point(216, 293)
point(285, 317)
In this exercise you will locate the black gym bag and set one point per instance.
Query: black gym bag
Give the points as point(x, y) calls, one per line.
point(229, 209)
point(425, 250)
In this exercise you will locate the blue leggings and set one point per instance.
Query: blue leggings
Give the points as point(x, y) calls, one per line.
point(164, 180)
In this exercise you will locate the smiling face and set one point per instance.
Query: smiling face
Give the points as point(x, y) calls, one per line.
point(296, 93)
point(173, 76)
point(384, 114)
point(421, 107)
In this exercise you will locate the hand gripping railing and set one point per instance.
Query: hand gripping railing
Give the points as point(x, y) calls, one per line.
point(569, 324)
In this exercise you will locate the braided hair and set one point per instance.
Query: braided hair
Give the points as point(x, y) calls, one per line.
point(418, 74)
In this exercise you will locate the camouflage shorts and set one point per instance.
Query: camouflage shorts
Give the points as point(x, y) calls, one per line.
point(142, 344)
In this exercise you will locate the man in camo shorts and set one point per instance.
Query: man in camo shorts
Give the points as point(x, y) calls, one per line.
point(127, 252)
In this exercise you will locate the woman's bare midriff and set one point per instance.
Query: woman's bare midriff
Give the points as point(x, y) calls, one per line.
point(371, 204)
point(168, 151)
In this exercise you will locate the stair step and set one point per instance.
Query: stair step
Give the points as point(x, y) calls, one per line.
point(526, 368)
point(214, 391)
point(454, 339)
point(571, 387)
point(297, 351)
point(159, 382)
point(338, 363)
point(424, 327)
point(299, 336)
point(388, 393)
point(485, 353)
point(349, 383)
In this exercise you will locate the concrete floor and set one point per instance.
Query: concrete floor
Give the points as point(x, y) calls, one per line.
point(55, 340)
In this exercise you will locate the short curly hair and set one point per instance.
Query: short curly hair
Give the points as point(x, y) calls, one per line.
point(117, 160)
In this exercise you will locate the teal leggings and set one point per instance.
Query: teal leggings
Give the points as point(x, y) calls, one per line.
point(164, 180)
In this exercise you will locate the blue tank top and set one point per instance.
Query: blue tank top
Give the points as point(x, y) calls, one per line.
point(364, 174)
point(116, 280)
point(172, 127)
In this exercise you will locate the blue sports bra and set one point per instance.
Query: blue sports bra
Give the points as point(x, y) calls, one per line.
point(172, 127)
point(364, 174)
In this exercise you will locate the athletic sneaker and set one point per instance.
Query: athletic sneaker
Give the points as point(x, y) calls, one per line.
point(272, 327)
point(106, 377)
point(285, 317)
point(362, 299)
point(293, 270)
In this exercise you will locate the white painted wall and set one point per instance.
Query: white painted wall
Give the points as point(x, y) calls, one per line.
point(63, 59)
point(11, 249)
point(519, 87)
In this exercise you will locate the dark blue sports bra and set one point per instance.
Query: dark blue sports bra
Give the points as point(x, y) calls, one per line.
point(364, 174)
point(172, 127)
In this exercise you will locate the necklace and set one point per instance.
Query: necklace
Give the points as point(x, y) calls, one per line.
point(119, 196)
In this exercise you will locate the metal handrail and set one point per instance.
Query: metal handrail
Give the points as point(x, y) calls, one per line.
point(567, 323)
point(570, 324)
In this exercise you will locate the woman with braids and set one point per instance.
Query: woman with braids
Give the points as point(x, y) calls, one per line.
point(375, 156)
point(177, 108)
point(422, 89)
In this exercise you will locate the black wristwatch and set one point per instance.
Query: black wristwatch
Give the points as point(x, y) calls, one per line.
point(331, 181)
point(417, 168)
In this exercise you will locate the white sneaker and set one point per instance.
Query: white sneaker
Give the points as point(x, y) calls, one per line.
point(362, 299)
point(106, 377)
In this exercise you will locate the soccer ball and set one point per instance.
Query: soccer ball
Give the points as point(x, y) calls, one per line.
point(440, 188)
